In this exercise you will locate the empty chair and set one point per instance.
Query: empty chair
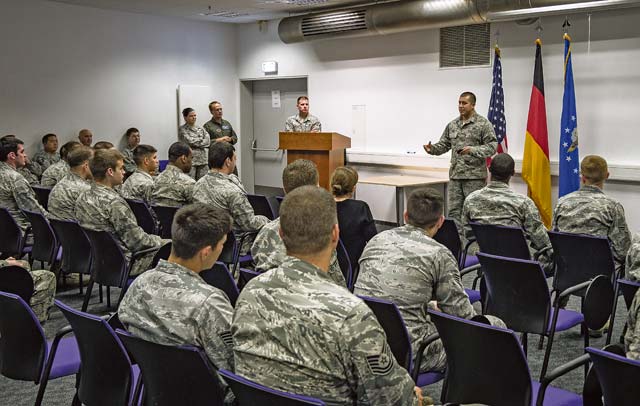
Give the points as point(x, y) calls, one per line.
point(618, 376)
point(12, 239)
point(165, 216)
point(45, 244)
point(17, 280)
point(107, 376)
point(25, 352)
point(174, 375)
point(345, 265)
point(42, 195)
point(501, 240)
point(249, 393)
point(261, 206)
point(220, 277)
point(76, 247)
point(390, 319)
point(144, 216)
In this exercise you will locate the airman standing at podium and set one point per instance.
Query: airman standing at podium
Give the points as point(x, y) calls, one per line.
point(303, 122)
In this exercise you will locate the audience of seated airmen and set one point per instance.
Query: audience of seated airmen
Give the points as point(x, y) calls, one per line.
point(102, 208)
point(49, 153)
point(63, 196)
point(140, 184)
point(590, 211)
point(174, 186)
point(44, 288)
point(172, 304)
point(132, 137)
point(268, 250)
point(497, 204)
point(60, 169)
point(221, 188)
point(15, 192)
point(294, 329)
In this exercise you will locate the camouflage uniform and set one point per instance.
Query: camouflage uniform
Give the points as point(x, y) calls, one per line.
point(295, 330)
point(44, 289)
point(303, 125)
point(590, 211)
point(218, 130)
point(172, 305)
point(29, 175)
point(129, 163)
point(268, 252)
point(632, 267)
point(173, 187)
point(198, 139)
point(467, 173)
point(17, 195)
point(63, 196)
point(102, 208)
point(406, 266)
point(632, 334)
point(227, 193)
point(45, 159)
point(499, 205)
point(137, 186)
point(54, 173)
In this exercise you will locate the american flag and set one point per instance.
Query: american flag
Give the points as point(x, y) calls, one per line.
point(496, 105)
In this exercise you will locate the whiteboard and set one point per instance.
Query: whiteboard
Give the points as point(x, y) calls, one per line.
point(198, 98)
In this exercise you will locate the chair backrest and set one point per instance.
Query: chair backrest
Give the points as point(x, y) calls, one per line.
point(23, 347)
point(11, 237)
point(485, 364)
point(249, 393)
point(501, 240)
point(390, 319)
point(162, 164)
point(245, 276)
point(629, 289)
point(162, 253)
point(220, 277)
point(345, 264)
point(106, 375)
point(42, 195)
point(598, 302)
point(580, 258)
point(143, 215)
point(17, 280)
point(230, 250)
point(76, 246)
point(165, 216)
point(518, 293)
point(174, 375)
point(109, 265)
point(448, 236)
point(618, 376)
point(261, 206)
point(45, 243)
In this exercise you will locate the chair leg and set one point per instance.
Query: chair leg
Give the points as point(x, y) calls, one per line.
point(613, 315)
point(586, 344)
point(541, 343)
point(80, 283)
point(123, 290)
point(87, 296)
point(100, 293)
point(108, 297)
point(76, 401)
point(547, 353)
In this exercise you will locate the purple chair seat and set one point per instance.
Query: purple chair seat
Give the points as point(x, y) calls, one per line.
point(555, 396)
point(429, 378)
point(566, 319)
point(474, 295)
point(67, 359)
point(470, 260)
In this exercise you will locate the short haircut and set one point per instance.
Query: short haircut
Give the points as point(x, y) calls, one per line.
point(8, 145)
point(68, 147)
point(143, 151)
point(186, 111)
point(46, 137)
point(300, 172)
point(218, 153)
point(502, 167)
point(102, 160)
point(212, 103)
point(103, 145)
point(343, 180)
point(131, 131)
point(471, 96)
point(79, 156)
point(424, 207)
point(301, 98)
point(307, 217)
point(594, 168)
point(178, 149)
point(197, 226)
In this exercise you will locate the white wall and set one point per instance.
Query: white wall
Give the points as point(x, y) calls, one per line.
point(66, 67)
point(409, 99)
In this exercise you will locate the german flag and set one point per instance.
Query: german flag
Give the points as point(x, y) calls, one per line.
point(535, 161)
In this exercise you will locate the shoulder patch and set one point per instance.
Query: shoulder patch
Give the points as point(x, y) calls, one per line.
point(381, 364)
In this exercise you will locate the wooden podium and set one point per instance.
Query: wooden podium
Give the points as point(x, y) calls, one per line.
point(325, 149)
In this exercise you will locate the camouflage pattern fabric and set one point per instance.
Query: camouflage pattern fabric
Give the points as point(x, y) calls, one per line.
point(476, 133)
point(101, 208)
point(172, 187)
point(227, 193)
point(54, 173)
point(44, 289)
point(219, 130)
point(497, 204)
point(129, 163)
point(295, 330)
point(407, 267)
point(632, 335)
point(29, 175)
point(457, 192)
point(198, 139)
point(63, 196)
point(632, 267)
point(590, 211)
point(45, 159)
point(298, 124)
point(16, 195)
point(268, 252)
point(137, 186)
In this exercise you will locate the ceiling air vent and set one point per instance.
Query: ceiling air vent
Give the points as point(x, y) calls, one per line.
point(332, 23)
point(467, 45)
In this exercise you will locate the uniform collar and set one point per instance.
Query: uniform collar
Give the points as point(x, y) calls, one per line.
point(591, 188)
point(175, 269)
point(304, 269)
point(472, 119)
point(495, 184)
